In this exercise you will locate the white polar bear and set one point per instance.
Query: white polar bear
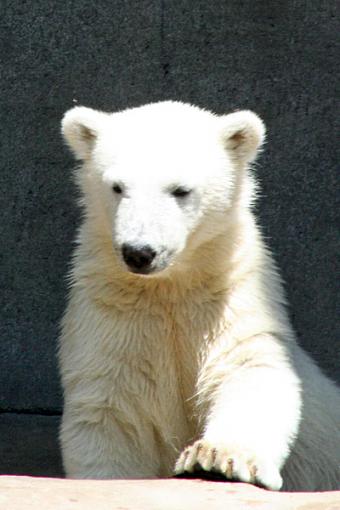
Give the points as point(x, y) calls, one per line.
point(176, 352)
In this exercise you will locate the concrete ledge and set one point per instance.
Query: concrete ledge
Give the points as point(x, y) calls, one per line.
point(28, 493)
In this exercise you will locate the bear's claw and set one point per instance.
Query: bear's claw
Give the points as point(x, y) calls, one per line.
point(232, 465)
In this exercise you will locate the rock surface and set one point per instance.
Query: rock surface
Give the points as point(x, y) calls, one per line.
point(26, 493)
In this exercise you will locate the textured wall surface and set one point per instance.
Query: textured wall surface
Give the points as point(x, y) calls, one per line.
point(277, 58)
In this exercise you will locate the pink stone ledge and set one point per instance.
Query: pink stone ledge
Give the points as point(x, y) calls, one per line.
point(29, 493)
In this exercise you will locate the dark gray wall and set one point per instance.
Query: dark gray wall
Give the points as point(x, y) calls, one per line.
point(277, 58)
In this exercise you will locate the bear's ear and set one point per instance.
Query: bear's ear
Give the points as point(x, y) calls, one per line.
point(80, 128)
point(242, 134)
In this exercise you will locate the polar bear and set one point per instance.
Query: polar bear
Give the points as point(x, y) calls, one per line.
point(176, 353)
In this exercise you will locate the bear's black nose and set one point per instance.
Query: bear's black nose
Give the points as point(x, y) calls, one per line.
point(138, 258)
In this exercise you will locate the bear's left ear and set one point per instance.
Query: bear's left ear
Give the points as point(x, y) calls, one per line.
point(242, 135)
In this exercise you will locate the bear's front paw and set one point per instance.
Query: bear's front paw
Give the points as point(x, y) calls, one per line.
point(233, 465)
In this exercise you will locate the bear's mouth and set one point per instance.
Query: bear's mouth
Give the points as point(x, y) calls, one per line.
point(142, 271)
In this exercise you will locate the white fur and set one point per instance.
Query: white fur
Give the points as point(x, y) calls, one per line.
point(195, 363)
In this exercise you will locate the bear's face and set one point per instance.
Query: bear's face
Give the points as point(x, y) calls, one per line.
point(164, 176)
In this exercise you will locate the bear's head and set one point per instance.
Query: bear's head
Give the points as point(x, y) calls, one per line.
point(163, 179)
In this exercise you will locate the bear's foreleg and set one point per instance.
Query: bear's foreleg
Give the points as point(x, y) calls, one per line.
point(96, 445)
point(250, 396)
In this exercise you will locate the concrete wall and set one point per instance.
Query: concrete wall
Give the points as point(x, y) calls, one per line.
point(277, 58)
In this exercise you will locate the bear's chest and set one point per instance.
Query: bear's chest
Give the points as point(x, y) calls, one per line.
point(164, 346)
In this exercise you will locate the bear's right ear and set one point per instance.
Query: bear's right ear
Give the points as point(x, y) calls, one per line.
point(80, 128)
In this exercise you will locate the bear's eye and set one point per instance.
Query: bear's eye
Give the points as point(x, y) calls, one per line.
point(180, 192)
point(117, 189)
